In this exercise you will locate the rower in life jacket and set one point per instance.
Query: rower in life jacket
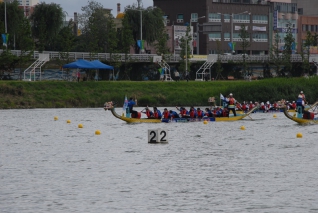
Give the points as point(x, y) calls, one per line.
point(200, 113)
point(300, 104)
point(156, 113)
point(231, 104)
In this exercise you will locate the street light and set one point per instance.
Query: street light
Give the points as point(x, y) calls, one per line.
point(140, 10)
point(197, 34)
point(232, 20)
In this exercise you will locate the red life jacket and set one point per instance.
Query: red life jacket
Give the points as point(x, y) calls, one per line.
point(155, 115)
point(231, 101)
point(244, 107)
point(199, 113)
point(166, 114)
point(183, 112)
point(148, 113)
point(192, 114)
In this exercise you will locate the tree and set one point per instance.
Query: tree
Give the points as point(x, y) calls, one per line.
point(305, 52)
point(152, 24)
point(287, 52)
point(25, 43)
point(161, 43)
point(15, 18)
point(245, 37)
point(125, 42)
point(219, 67)
point(47, 20)
point(98, 29)
point(185, 51)
point(275, 54)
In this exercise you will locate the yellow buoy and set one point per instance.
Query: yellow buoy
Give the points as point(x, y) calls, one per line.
point(68, 121)
point(205, 122)
point(97, 132)
point(242, 127)
point(299, 135)
point(56, 118)
point(80, 126)
point(274, 116)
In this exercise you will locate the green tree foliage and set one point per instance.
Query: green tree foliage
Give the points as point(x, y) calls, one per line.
point(152, 24)
point(15, 19)
point(98, 29)
point(161, 43)
point(305, 52)
point(276, 59)
point(219, 67)
point(287, 52)
point(185, 51)
point(245, 37)
point(25, 43)
point(47, 20)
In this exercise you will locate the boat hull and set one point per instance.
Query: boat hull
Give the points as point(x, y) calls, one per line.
point(179, 120)
point(301, 121)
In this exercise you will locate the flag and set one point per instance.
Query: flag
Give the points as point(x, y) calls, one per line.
point(5, 38)
point(125, 106)
point(221, 97)
point(140, 44)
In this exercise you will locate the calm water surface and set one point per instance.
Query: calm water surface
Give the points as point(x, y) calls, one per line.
point(52, 166)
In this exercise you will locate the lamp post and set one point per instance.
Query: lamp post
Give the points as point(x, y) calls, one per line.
point(232, 20)
point(197, 38)
point(140, 10)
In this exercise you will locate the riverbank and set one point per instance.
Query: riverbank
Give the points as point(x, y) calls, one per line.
point(64, 94)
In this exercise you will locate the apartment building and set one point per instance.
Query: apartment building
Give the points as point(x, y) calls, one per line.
point(220, 20)
point(27, 6)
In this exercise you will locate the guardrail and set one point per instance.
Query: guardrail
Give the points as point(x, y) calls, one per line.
point(149, 57)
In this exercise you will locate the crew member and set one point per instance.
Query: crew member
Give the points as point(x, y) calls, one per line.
point(200, 113)
point(148, 113)
point(300, 102)
point(173, 114)
point(231, 104)
point(156, 113)
point(166, 114)
point(131, 103)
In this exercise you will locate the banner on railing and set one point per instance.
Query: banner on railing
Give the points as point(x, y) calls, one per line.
point(5, 38)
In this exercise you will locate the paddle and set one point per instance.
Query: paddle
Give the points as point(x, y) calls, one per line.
point(243, 111)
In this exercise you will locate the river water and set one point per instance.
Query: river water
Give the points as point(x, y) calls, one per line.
point(53, 166)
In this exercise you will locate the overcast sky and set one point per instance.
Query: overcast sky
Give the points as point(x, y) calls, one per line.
point(71, 6)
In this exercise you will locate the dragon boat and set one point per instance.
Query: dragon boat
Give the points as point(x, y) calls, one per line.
point(307, 117)
point(110, 106)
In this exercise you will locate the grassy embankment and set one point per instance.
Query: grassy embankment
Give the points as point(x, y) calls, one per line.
point(60, 94)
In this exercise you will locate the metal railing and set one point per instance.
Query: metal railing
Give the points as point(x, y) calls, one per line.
point(149, 57)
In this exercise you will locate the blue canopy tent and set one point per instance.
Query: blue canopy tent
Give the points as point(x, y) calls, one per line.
point(80, 64)
point(101, 65)
point(83, 64)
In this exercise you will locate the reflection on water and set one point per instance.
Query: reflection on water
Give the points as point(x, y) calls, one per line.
point(52, 166)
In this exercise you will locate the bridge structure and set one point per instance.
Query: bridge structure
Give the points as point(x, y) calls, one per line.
point(169, 58)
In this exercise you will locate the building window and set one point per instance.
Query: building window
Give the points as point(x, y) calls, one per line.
point(241, 18)
point(214, 36)
point(214, 17)
point(260, 37)
point(235, 1)
point(312, 28)
point(261, 19)
point(180, 18)
point(227, 36)
point(307, 27)
point(194, 17)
